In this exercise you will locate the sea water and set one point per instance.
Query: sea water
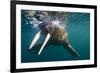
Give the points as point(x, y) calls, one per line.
point(78, 28)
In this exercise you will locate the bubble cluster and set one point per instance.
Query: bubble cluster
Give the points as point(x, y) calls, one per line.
point(41, 19)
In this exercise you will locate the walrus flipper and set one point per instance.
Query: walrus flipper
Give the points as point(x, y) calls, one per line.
point(71, 50)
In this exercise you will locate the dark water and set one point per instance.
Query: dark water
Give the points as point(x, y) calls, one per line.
point(78, 27)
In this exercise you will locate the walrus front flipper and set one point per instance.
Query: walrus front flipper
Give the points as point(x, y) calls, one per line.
point(72, 51)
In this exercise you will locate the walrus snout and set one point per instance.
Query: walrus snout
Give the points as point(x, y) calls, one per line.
point(57, 33)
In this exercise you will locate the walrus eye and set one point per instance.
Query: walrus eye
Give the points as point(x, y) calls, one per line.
point(35, 39)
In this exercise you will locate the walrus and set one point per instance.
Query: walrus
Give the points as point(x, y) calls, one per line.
point(52, 25)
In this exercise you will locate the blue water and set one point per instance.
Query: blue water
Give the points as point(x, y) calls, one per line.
point(78, 27)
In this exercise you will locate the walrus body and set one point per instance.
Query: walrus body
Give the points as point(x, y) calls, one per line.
point(52, 25)
point(59, 37)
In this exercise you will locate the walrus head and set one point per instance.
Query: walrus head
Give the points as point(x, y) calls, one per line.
point(56, 33)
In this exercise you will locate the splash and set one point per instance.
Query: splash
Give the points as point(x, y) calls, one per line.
point(40, 19)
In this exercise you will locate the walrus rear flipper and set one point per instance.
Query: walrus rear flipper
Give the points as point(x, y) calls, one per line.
point(72, 51)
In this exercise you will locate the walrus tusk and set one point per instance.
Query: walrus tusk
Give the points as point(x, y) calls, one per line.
point(35, 39)
point(45, 42)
